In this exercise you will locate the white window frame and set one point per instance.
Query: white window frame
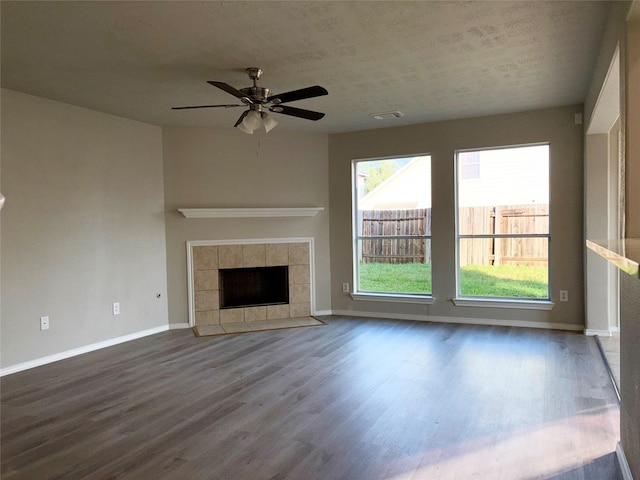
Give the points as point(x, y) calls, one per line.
point(356, 294)
point(500, 302)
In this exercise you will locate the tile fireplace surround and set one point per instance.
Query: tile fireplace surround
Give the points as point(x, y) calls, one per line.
point(205, 258)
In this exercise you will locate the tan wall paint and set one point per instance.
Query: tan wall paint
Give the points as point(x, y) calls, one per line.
point(630, 288)
point(83, 227)
point(596, 226)
point(632, 192)
point(441, 140)
point(227, 168)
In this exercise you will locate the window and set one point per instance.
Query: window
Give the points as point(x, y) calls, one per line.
point(392, 226)
point(503, 223)
point(470, 166)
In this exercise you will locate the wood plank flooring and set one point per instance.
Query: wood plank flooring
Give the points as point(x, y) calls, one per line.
point(356, 399)
point(611, 350)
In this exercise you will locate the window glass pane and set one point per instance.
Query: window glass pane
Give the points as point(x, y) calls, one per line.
point(510, 194)
point(470, 165)
point(406, 270)
point(511, 267)
point(503, 192)
point(393, 199)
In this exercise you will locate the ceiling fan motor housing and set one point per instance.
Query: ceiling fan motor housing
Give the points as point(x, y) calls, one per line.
point(257, 94)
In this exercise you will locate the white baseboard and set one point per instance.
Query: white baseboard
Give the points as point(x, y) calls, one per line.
point(85, 349)
point(622, 462)
point(592, 332)
point(322, 312)
point(463, 320)
point(176, 326)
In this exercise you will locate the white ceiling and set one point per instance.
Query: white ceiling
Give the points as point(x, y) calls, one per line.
point(430, 60)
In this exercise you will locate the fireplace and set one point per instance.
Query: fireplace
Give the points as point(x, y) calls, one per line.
point(253, 287)
point(234, 281)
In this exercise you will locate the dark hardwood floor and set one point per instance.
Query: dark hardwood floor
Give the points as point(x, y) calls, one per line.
point(355, 399)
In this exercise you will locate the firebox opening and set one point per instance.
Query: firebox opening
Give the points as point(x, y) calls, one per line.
point(252, 287)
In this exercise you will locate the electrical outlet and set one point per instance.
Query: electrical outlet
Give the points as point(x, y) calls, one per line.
point(116, 308)
point(44, 323)
point(564, 295)
point(345, 287)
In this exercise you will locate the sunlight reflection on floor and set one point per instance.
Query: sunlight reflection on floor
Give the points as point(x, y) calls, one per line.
point(542, 452)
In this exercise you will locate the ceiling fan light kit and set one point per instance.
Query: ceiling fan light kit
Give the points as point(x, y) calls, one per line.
point(244, 129)
point(252, 121)
point(269, 123)
point(258, 99)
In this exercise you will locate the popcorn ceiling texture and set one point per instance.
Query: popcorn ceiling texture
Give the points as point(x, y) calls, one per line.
point(431, 60)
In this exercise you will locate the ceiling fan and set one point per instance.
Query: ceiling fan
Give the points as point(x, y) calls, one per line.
point(259, 99)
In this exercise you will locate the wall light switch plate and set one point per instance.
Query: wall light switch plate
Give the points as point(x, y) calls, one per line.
point(44, 323)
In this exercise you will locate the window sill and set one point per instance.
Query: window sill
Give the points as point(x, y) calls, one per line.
point(495, 303)
point(393, 298)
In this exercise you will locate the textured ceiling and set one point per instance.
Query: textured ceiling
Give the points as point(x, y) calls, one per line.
point(430, 60)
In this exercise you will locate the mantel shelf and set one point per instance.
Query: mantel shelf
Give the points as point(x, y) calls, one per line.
point(249, 212)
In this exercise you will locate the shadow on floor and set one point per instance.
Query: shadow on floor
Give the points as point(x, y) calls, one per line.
point(603, 468)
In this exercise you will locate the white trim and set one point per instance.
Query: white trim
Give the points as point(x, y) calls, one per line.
point(190, 286)
point(503, 303)
point(607, 108)
point(178, 326)
point(389, 316)
point(322, 312)
point(249, 212)
point(393, 298)
point(622, 462)
point(463, 320)
point(591, 332)
point(247, 241)
point(81, 350)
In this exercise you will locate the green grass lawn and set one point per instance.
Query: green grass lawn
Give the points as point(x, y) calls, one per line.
point(475, 280)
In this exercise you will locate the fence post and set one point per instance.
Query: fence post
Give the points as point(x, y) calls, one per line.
point(497, 242)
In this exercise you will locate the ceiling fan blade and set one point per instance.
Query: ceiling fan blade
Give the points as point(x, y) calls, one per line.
point(297, 112)
point(244, 114)
point(229, 89)
point(207, 106)
point(309, 92)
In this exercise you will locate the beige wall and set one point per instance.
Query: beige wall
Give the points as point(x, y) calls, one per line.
point(83, 227)
point(630, 290)
point(632, 192)
point(555, 126)
point(596, 203)
point(227, 168)
point(627, 36)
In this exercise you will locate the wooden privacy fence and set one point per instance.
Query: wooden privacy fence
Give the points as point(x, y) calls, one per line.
point(409, 222)
point(504, 219)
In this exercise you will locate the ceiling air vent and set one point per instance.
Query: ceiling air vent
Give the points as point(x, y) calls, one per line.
point(387, 115)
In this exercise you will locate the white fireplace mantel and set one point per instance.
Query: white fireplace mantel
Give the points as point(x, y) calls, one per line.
point(249, 212)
